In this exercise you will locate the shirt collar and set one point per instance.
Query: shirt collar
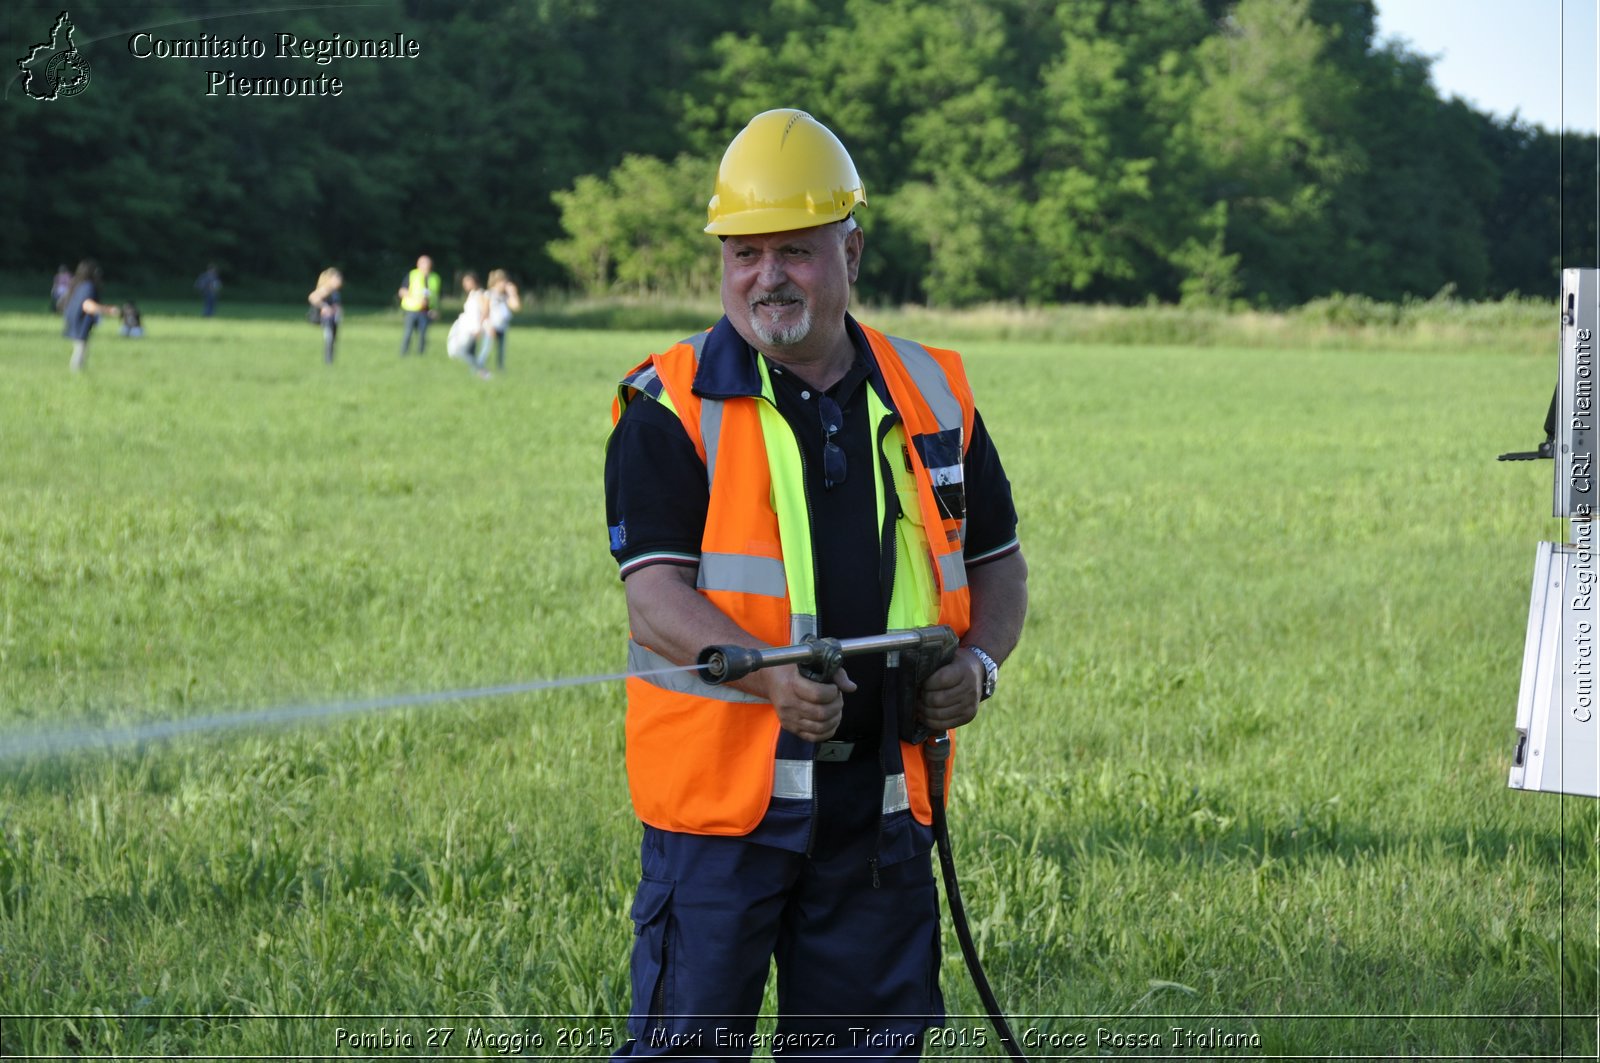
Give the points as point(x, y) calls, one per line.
point(728, 367)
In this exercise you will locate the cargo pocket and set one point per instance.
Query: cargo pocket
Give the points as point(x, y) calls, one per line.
point(651, 909)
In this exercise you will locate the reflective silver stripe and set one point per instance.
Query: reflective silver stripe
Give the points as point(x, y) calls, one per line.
point(711, 434)
point(931, 381)
point(644, 659)
point(895, 796)
point(710, 410)
point(801, 625)
point(742, 573)
point(952, 572)
point(642, 381)
point(792, 779)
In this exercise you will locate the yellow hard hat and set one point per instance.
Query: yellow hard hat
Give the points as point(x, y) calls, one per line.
point(784, 171)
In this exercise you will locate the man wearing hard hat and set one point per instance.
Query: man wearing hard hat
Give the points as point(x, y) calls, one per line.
point(792, 472)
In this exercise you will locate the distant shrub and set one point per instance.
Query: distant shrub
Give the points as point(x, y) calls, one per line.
point(1349, 310)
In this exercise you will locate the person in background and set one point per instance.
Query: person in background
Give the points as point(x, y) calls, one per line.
point(208, 284)
point(81, 310)
point(132, 324)
point(504, 300)
point(60, 285)
point(326, 305)
point(470, 330)
point(419, 298)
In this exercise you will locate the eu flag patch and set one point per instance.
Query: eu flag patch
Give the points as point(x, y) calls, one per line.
point(619, 535)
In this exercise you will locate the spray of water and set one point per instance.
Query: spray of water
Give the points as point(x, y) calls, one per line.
point(74, 739)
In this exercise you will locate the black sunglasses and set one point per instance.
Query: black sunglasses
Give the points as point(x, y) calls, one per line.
point(833, 463)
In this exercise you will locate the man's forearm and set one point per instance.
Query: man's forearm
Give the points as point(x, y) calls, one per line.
point(666, 613)
point(999, 605)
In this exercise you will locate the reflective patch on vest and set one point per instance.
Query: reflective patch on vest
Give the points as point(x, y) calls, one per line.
point(646, 381)
point(952, 572)
point(742, 573)
point(801, 627)
point(929, 376)
point(792, 779)
point(643, 659)
point(896, 798)
point(941, 452)
point(697, 343)
point(710, 409)
point(711, 434)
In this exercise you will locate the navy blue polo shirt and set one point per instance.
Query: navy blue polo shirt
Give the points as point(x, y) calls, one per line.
point(657, 499)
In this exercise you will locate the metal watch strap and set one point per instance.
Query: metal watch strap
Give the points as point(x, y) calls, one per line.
point(991, 673)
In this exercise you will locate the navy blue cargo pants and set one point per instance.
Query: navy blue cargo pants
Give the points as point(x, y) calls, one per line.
point(858, 961)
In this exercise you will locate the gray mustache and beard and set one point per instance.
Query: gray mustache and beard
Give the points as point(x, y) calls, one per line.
point(780, 337)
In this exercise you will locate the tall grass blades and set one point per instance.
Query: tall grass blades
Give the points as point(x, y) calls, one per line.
point(1243, 791)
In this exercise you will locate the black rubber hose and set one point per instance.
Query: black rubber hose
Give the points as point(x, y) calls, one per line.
point(936, 754)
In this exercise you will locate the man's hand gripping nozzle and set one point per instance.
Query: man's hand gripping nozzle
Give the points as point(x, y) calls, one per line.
point(912, 655)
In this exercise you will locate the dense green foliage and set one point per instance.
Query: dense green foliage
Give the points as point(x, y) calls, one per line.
point(1246, 771)
point(1027, 150)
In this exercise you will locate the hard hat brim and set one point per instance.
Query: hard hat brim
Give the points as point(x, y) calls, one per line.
point(776, 220)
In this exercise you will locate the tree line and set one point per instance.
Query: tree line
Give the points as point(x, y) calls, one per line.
point(1205, 151)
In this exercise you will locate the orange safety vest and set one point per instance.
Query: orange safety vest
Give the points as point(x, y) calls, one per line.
point(706, 759)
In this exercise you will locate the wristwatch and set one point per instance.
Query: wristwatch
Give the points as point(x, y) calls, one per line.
point(991, 673)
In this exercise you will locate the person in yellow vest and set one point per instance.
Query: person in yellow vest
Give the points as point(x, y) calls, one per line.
point(788, 472)
point(419, 298)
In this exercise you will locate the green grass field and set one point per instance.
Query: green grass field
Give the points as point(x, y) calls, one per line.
point(1246, 774)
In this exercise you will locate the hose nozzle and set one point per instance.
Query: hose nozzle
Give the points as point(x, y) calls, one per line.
point(724, 664)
